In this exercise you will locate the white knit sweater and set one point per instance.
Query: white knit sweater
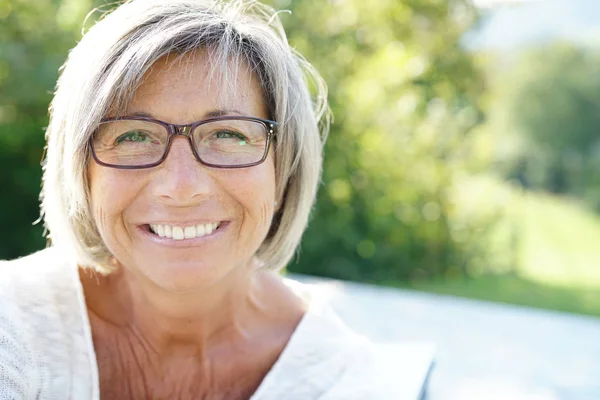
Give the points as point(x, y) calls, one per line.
point(46, 348)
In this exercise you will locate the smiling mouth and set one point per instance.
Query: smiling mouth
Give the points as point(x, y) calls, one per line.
point(180, 233)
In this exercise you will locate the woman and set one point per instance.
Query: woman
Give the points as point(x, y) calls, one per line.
point(184, 154)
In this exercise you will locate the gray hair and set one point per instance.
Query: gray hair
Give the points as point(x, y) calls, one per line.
point(104, 70)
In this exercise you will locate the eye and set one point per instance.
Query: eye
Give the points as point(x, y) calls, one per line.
point(133, 136)
point(229, 134)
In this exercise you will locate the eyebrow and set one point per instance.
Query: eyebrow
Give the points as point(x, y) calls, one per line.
point(209, 114)
point(221, 113)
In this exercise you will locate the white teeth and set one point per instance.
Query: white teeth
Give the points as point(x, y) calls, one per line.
point(189, 232)
point(180, 233)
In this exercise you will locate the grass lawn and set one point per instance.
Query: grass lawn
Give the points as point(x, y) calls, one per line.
point(557, 256)
point(516, 290)
point(560, 242)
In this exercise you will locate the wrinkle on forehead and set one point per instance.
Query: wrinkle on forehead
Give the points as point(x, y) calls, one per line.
point(226, 74)
point(180, 79)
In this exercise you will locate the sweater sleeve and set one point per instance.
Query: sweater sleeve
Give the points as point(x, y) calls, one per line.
point(17, 365)
point(13, 364)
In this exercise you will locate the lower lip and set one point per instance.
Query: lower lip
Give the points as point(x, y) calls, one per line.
point(145, 230)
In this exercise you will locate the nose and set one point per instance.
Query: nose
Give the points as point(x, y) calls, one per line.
point(181, 179)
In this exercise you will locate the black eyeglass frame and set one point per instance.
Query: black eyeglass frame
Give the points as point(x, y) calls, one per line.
point(186, 130)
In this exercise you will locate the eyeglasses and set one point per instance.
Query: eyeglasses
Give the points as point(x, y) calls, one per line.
point(219, 142)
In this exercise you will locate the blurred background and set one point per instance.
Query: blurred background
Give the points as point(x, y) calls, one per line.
point(462, 163)
point(463, 155)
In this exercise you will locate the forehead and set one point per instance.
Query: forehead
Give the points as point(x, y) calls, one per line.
point(184, 88)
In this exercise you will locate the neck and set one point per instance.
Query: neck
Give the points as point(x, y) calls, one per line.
point(229, 310)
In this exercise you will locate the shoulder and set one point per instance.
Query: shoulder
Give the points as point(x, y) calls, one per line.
point(21, 299)
point(317, 356)
point(33, 291)
point(328, 360)
point(38, 290)
point(34, 282)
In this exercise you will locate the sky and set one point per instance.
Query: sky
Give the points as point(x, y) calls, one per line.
point(511, 24)
point(495, 3)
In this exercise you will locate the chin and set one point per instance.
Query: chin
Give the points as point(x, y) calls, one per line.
point(182, 275)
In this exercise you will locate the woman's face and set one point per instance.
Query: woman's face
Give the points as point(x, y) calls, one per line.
point(182, 193)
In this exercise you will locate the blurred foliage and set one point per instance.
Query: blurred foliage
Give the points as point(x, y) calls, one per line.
point(34, 38)
point(545, 116)
point(405, 97)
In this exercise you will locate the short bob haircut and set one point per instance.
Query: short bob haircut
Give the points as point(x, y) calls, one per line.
point(103, 71)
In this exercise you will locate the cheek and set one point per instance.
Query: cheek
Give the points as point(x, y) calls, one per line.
point(255, 191)
point(111, 192)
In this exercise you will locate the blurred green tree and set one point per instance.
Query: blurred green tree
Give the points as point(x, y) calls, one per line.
point(405, 98)
point(34, 38)
point(549, 103)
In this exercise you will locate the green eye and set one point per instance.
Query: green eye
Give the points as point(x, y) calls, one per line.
point(132, 136)
point(243, 140)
